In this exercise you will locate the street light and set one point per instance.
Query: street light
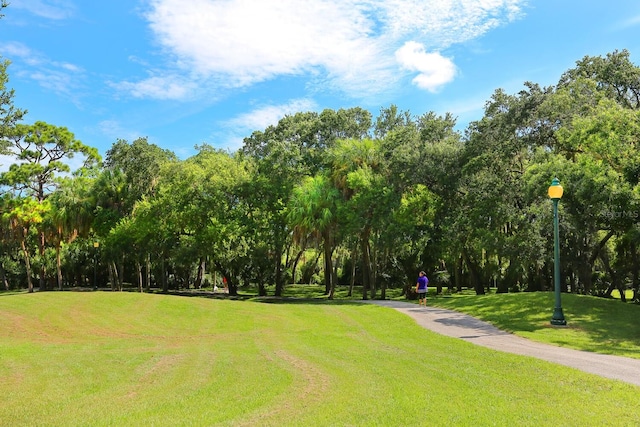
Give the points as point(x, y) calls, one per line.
point(96, 245)
point(555, 194)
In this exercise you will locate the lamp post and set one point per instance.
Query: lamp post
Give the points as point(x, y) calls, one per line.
point(555, 194)
point(96, 245)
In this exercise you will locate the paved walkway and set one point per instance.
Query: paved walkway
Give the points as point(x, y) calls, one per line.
point(458, 325)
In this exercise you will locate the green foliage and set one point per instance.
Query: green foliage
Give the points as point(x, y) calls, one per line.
point(383, 197)
point(40, 151)
point(9, 114)
point(140, 164)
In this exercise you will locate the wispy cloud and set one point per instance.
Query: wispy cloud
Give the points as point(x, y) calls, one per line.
point(343, 45)
point(59, 81)
point(62, 78)
point(49, 9)
point(234, 130)
point(261, 117)
point(630, 22)
point(116, 130)
point(167, 87)
point(13, 50)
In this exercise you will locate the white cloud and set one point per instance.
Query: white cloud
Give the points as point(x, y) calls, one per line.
point(344, 45)
point(170, 87)
point(60, 77)
point(61, 82)
point(115, 130)
point(442, 23)
point(434, 69)
point(236, 129)
point(12, 50)
point(50, 9)
point(629, 22)
point(262, 117)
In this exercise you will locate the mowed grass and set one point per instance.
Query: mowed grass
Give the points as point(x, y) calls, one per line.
point(595, 324)
point(128, 359)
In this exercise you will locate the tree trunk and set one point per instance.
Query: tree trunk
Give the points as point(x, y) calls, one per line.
point(295, 267)
point(373, 284)
point(615, 278)
point(117, 279)
point(111, 276)
point(27, 260)
point(3, 273)
point(147, 282)
point(502, 286)
point(458, 273)
point(475, 274)
point(328, 251)
point(139, 275)
point(354, 257)
point(165, 285)
point(233, 286)
point(366, 263)
point(584, 273)
point(121, 275)
point(279, 276)
point(262, 290)
point(58, 267)
point(200, 274)
point(43, 267)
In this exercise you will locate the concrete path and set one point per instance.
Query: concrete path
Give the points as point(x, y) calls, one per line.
point(458, 325)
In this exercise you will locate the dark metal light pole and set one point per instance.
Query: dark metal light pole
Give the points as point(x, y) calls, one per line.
point(555, 193)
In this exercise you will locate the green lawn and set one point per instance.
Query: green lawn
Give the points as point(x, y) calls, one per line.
point(601, 325)
point(128, 359)
point(595, 324)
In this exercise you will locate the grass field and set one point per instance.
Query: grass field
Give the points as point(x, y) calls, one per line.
point(128, 359)
point(594, 324)
point(600, 325)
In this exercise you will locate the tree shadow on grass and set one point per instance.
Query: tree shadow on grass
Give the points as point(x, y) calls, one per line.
point(255, 298)
point(308, 301)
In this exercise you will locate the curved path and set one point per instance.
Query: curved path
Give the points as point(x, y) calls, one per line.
point(459, 325)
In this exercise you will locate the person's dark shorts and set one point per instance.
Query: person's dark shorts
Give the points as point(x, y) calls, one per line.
point(422, 294)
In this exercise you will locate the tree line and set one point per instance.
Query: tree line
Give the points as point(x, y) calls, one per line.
point(340, 197)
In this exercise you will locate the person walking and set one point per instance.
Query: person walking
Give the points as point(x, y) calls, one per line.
point(421, 288)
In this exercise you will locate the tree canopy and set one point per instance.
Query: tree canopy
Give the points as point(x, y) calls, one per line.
point(341, 197)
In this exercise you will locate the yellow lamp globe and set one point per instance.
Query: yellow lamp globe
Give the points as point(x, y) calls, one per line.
point(555, 190)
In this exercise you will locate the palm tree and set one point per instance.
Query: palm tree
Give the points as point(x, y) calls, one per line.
point(22, 215)
point(71, 216)
point(357, 167)
point(313, 210)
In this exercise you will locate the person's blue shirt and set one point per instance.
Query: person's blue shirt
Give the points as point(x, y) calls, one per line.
point(422, 283)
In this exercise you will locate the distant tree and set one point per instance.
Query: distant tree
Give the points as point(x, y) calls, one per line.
point(71, 215)
point(615, 75)
point(9, 115)
point(314, 210)
point(41, 151)
point(141, 163)
point(22, 214)
point(282, 157)
point(131, 173)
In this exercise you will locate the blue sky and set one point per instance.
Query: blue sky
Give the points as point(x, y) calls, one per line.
point(187, 72)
